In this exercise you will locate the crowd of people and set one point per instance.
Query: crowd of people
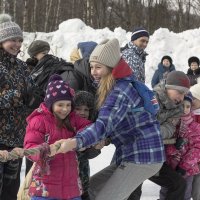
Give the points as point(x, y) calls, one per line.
point(70, 110)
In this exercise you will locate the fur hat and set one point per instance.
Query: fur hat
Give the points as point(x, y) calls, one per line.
point(57, 90)
point(178, 80)
point(9, 29)
point(168, 58)
point(107, 53)
point(195, 90)
point(139, 32)
point(193, 59)
point(38, 46)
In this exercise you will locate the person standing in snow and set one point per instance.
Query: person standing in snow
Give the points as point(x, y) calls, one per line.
point(14, 82)
point(184, 155)
point(133, 53)
point(164, 67)
point(139, 147)
point(80, 58)
point(196, 111)
point(194, 70)
point(54, 177)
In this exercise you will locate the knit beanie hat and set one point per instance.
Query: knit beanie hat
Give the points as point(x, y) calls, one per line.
point(9, 29)
point(38, 46)
point(57, 90)
point(84, 98)
point(178, 80)
point(195, 90)
point(193, 59)
point(168, 58)
point(139, 32)
point(107, 53)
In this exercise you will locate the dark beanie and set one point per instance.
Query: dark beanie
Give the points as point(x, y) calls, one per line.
point(38, 46)
point(178, 80)
point(193, 59)
point(139, 32)
point(188, 97)
point(57, 90)
point(84, 98)
point(168, 58)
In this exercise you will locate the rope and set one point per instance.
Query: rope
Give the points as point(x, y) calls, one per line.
point(12, 155)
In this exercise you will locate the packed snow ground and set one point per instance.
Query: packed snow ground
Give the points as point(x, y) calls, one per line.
point(163, 42)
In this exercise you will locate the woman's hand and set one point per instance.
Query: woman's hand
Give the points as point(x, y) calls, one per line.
point(67, 145)
point(19, 151)
point(4, 154)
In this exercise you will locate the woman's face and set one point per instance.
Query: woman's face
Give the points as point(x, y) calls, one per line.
point(98, 71)
point(195, 104)
point(62, 108)
point(12, 46)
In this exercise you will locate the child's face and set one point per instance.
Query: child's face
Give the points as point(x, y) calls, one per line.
point(62, 108)
point(194, 66)
point(187, 107)
point(82, 111)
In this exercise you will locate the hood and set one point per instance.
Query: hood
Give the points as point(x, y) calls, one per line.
point(122, 70)
point(163, 69)
point(42, 110)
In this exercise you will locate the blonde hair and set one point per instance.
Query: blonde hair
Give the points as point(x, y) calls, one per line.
point(106, 84)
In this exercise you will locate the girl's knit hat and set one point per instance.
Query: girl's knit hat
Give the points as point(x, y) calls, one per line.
point(107, 53)
point(9, 29)
point(57, 90)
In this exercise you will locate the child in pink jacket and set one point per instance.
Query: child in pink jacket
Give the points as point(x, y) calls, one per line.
point(184, 156)
point(54, 177)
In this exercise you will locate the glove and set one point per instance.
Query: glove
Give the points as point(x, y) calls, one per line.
point(180, 142)
point(180, 171)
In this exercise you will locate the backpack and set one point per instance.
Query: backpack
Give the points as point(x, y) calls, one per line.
point(150, 102)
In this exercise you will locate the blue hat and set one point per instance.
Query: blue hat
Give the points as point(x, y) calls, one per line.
point(139, 32)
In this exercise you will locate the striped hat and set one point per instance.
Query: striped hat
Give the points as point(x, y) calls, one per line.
point(139, 32)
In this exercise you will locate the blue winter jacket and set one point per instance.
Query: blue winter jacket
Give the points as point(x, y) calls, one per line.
point(158, 74)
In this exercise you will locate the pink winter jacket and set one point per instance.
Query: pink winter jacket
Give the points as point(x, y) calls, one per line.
point(63, 181)
point(188, 157)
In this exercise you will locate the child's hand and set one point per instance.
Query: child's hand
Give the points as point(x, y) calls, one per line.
point(100, 145)
point(67, 145)
point(4, 154)
point(19, 151)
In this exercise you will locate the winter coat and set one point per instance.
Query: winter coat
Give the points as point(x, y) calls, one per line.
point(135, 57)
point(188, 157)
point(168, 111)
point(82, 68)
point(161, 73)
point(15, 80)
point(136, 135)
point(193, 75)
point(63, 181)
point(50, 65)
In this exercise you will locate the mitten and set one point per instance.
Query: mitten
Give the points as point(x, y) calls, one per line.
point(180, 143)
point(180, 171)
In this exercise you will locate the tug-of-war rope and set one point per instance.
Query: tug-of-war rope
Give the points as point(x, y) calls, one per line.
point(12, 155)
